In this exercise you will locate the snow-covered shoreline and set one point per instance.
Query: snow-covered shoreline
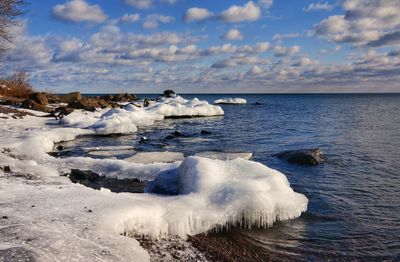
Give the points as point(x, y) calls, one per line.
point(207, 194)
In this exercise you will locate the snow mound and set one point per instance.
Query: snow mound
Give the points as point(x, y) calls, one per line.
point(155, 157)
point(224, 155)
point(180, 107)
point(127, 120)
point(213, 194)
point(233, 101)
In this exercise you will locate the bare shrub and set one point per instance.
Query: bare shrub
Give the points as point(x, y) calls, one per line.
point(16, 85)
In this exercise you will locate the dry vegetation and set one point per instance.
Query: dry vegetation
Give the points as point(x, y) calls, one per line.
point(16, 85)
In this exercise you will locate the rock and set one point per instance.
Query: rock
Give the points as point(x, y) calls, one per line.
point(169, 93)
point(88, 104)
point(7, 169)
point(205, 132)
point(40, 98)
point(303, 156)
point(71, 97)
point(108, 98)
point(53, 99)
point(146, 103)
point(178, 134)
point(82, 176)
point(60, 148)
point(30, 104)
point(124, 97)
point(258, 103)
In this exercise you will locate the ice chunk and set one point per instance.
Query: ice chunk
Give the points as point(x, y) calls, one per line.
point(213, 194)
point(155, 157)
point(224, 155)
point(237, 101)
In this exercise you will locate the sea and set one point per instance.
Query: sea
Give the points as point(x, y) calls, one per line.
point(354, 196)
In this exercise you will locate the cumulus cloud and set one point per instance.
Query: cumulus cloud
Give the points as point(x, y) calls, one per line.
point(79, 11)
point(280, 37)
point(197, 14)
point(248, 12)
point(365, 23)
point(129, 18)
point(233, 34)
point(318, 6)
point(154, 20)
point(280, 50)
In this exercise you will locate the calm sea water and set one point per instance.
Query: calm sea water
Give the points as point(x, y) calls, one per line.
point(354, 197)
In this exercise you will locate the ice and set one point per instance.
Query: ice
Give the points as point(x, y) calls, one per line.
point(238, 101)
point(180, 107)
point(127, 120)
point(212, 194)
point(155, 157)
point(182, 198)
point(224, 155)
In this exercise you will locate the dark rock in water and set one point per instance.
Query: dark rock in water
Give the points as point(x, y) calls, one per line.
point(146, 103)
point(258, 103)
point(170, 137)
point(30, 104)
point(169, 93)
point(143, 139)
point(303, 156)
point(205, 132)
point(83, 176)
point(60, 147)
point(71, 97)
point(7, 169)
point(40, 98)
point(95, 181)
point(177, 134)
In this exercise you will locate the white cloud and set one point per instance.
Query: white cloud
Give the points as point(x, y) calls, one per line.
point(154, 20)
point(233, 34)
point(256, 70)
point(79, 11)
point(279, 37)
point(365, 23)
point(319, 6)
point(248, 12)
point(280, 50)
point(196, 14)
point(129, 18)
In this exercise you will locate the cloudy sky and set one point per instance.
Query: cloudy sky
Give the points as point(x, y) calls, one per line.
point(205, 46)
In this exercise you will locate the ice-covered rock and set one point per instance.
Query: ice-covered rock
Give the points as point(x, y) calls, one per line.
point(232, 101)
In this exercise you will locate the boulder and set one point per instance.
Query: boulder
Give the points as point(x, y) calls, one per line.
point(53, 99)
point(124, 97)
point(40, 98)
point(169, 93)
point(205, 132)
point(71, 97)
point(85, 104)
point(311, 157)
point(30, 104)
point(81, 176)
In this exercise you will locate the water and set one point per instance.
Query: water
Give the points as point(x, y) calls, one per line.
point(354, 199)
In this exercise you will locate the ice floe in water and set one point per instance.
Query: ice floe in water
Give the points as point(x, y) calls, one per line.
point(233, 101)
point(155, 157)
point(224, 155)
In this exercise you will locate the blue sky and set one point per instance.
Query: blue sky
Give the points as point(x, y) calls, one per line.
point(264, 46)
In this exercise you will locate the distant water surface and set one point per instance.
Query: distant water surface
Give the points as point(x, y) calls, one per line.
point(354, 197)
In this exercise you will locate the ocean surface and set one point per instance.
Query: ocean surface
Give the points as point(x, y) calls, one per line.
point(354, 197)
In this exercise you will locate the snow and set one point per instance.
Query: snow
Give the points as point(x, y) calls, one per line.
point(185, 197)
point(224, 155)
point(238, 101)
point(127, 120)
point(155, 157)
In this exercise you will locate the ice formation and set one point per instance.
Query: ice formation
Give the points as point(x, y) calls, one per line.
point(183, 197)
point(123, 121)
point(155, 157)
point(233, 101)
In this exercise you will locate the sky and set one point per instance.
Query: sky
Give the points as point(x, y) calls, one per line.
point(209, 46)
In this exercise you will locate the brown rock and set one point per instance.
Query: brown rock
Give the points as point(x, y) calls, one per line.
point(30, 104)
point(40, 98)
point(71, 97)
